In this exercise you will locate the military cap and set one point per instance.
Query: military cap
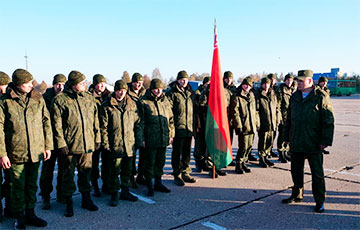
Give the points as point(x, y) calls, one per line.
point(302, 74)
point(228, 74)
point(120, 84)
point(21, 76)
point(156, 84)
point(271, 76)
point(98, 78)
point(323, 79)
point(137, 77)
point(247, 81)
point(59, 78)
point(287, 76)
point(75, 77)
point(4, 78)
point(206, 80)
point(182, 74)
point(265, 80)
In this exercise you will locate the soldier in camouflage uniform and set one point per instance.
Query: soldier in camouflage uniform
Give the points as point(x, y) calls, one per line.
point(4, 188)
point(135, 91)
point(182, 97)
point(100, 92)
point(25, 139)
point(121, 130)
point(230, 89)
point(47, 170)
point(284, 93)
point(76, 135)
point(245, 120)
point(158, 134)
point(274, 88)
point(322, 83)
point(309, 129)
point(268, 112)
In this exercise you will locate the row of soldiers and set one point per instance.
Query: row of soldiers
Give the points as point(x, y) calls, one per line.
point(84, 125)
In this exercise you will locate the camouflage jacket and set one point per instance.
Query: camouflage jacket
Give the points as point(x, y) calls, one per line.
point(121, 126)
point(25, 126)
point(243, 112)
point(283, 94)
point(158, 120)
point(49, 96)
point(310, 121)
point(135, 97)
point(182, 104)
point(75, 121)
point(99, 98)
point(269, 112)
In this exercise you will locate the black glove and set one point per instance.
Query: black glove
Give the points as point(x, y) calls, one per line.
point(64, 151)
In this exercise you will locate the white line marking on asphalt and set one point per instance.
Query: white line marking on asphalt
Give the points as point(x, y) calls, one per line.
point(341, 172)
point(213, 226)
point(147, 200)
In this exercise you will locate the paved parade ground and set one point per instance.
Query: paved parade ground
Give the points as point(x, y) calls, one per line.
point(248, 201)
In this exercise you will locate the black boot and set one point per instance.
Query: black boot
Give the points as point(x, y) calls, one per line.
point(287, 155)
point(268, 162)
point(211, 174)
point(282, 158)
point(33, 220)
point(296, 196)
point(140, 179)
point(245, 168)
point(45, 203)
point(262, 162)
point(20, 221)
point(96, 191)
point(69, 210)
point(87, 203)
point(114, 200)
point(238, 168)
point(150, 186)
point(126, 195)
point(160, 187)
point(252, 158)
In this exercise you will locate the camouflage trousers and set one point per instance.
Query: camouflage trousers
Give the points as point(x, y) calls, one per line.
point(317, 174)
point(106, 161)
point(154, 162)
point(180, 157)
point(123, 167)
point(47, 174)
point(245, 147)
point(281, 146)
point(83, 163)
point(140, 169)
point(200, 147)
point(23, 183)
point(266, 140)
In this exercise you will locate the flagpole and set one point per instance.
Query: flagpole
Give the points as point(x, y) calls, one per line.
point(213, 168)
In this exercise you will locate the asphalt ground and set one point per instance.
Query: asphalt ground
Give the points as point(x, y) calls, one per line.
point(248, 201)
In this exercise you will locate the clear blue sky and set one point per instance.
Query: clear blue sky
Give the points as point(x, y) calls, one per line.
point(110, 37)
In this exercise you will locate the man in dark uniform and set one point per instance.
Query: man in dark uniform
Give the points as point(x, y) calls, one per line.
point(47, 170)
point(76, 134)
point(25, 139)
point(100, 92)
point(135, 91)
point(231, 89)
point(182, 97)
point(309, 129)
point(4, 188)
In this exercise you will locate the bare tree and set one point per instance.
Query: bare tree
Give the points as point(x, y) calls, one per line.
point(146, 81)
point(156, 74)
point(126, 77)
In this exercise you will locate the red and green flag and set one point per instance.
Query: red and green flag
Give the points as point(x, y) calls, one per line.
point(217, 134)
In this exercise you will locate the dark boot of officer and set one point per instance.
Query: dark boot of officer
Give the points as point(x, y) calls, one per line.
point(33, 220)
point(150, 186)
point(158, 186)
point(245, 168)
point(140, 179)
point(268, 162)
point(114, 200)
point(95, 185)
point(126, 195)
point(87, 203)
point(296, 196)
point(20, 220)
point(282, 158)
point(238, 168)
point(69, 210)
point(45, 203)
point(262, 162)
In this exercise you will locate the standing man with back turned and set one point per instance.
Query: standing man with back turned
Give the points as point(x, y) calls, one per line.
point(309, 129)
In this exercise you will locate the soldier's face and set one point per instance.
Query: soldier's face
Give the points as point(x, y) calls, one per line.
point(26, 87)
point(3, 89)
point(157, 92)
point(323, 84)
point(80, 87)
point(59, 87)
point(120, 94)
point(100, 87)
point(246, 87)
point(305, 83)
point(266, 86)
point(137, 85)
point(183, 82)
point(229, 80)
point(289, 82)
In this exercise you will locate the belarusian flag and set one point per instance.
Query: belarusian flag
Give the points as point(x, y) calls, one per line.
point(217, 134)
